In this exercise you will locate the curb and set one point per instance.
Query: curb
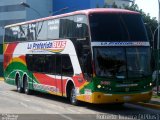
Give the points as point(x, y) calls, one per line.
point(150, 105)
point(1, 78)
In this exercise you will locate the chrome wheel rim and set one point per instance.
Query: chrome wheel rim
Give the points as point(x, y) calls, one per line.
point(26, 86)
point(73, 96)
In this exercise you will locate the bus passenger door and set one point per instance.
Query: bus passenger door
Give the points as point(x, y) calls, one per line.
point(59, 88)
point(30, 65)
point(67, 71)
point(64, 71)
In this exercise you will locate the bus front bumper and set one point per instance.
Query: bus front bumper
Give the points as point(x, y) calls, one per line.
point(99, 98)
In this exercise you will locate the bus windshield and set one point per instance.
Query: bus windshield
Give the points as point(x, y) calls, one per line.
point(117, 27)
point(118, 62)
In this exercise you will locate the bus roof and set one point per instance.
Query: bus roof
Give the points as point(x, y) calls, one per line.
point(87, 12)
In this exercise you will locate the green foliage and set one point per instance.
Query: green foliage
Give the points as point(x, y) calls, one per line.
point(152, 22)
point(114, 5)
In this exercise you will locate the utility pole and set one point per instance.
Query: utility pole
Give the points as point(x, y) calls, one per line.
point(157, 82)
point(28, 6)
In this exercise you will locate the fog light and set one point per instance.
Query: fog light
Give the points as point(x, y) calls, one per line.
point(150, 84)
point(98, 86)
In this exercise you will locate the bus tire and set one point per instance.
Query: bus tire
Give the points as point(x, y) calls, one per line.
point(18, 84)
point(26, 86)
point(72, 97)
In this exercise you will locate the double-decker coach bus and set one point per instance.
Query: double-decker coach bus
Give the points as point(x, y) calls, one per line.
point(96, 55)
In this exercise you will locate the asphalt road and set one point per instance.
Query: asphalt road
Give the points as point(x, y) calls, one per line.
point(39, 106)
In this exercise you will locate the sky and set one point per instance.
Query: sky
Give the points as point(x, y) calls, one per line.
point(149, 6)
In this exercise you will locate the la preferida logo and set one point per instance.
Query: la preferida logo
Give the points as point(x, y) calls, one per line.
point(52, 46)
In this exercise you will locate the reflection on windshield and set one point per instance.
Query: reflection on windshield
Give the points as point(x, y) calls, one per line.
point(110, 62)
point(122, 62)
point(138, 62)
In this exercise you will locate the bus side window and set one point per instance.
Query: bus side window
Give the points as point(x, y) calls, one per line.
point(38, 63)
point(29, 62)
point(58, 64)
point(31, 32)
point(63, 28)
point(81, 27)
point(23, 32)
point(15, 34)
point(67, 68)
point(53, 29)
point(8, 35)
point(50, 64)
point(41, 30)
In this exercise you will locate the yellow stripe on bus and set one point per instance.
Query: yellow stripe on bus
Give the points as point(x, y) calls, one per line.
point(18, 60)
point(5, 47)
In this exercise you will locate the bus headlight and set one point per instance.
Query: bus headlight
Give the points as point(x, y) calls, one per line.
point(99, 86)
point(150, 84)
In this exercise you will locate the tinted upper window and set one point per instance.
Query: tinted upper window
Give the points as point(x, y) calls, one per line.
point(8, 35)
point(66, 27)
point(53, 29)
point(23, 32)
point(13, 34)
point(31, 31)
point(81, 27)
point(41, 32)
point(117, 27)
point(74, 27)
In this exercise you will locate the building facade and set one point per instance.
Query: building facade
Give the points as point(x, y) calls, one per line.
point(64, 6)
point(12, 12)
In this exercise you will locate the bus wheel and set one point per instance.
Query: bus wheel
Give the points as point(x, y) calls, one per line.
point(73, 99)
point(26, 86)
point(18, 83)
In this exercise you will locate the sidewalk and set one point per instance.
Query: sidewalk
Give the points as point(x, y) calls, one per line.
point(153, 103)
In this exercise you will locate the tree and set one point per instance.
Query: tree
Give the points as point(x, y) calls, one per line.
point(114, 5)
